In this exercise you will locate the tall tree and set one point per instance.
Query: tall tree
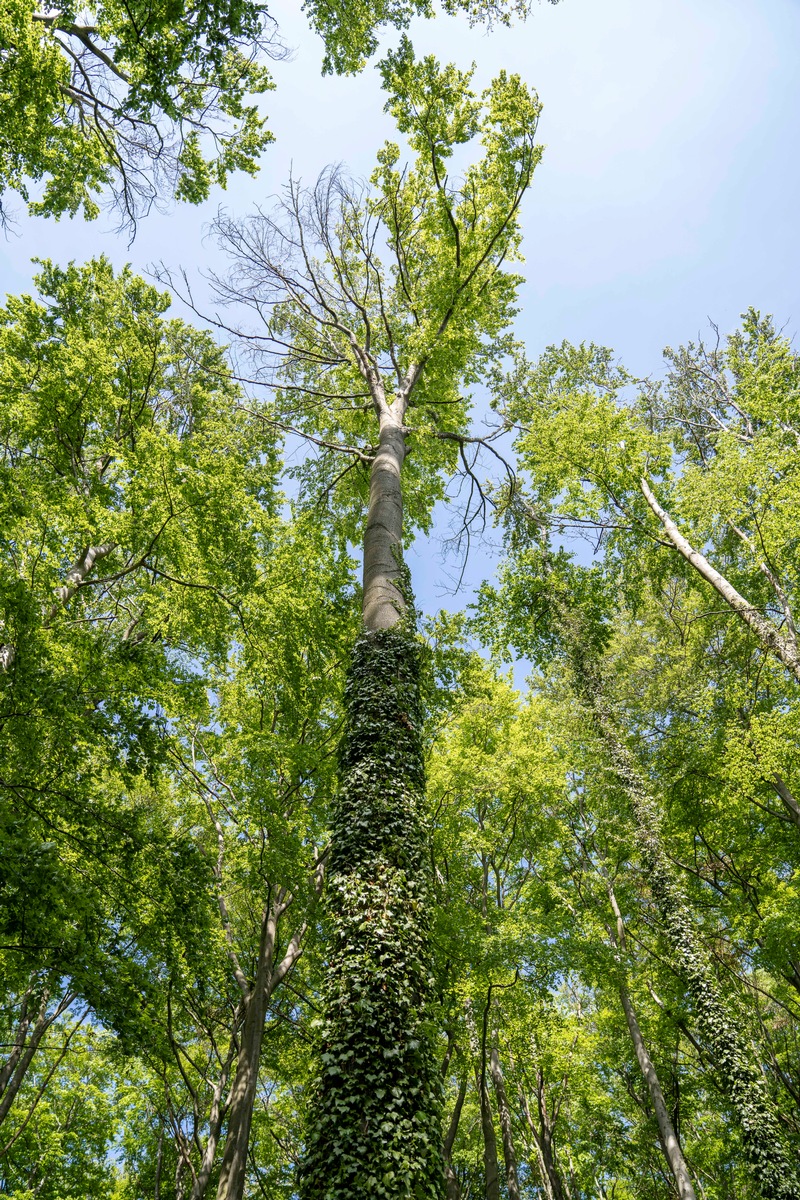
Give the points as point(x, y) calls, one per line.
point(582, 633)
point(128, 544)
point(370, 353)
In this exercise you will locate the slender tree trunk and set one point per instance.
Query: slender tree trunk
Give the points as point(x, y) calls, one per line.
point(774, 1173)
point(451, 1179)
point(543, 1140)
point(217, 1113)
point(509, 1155)
point(242, 1098)
point(374, 1130)
point(771, 638)
point(666, 1131)
point(491, 1171)
point(546, 1144)
point(789, 802)
point(26, 1043)
point(159, 1164)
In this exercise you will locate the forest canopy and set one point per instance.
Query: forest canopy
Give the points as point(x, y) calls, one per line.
point(305, 893)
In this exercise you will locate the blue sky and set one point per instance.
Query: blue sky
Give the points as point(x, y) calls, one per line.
point(668, 192)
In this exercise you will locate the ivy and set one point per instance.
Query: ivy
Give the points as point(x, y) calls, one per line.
point(375, 1123)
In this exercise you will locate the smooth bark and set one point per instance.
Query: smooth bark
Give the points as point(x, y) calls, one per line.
point(26, 1043)
point(789, 802)
point(543, 1139)
point(740, 1076)
point(243, 1092)
point(490, 1167)
point(771, 638)
point(451, 1179)
point(383, 603)
point(666, 1130)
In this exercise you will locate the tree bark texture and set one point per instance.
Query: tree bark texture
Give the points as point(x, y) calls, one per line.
point(383, 603)
point(543, 1140)
point(452, 1185)
point(763, 1146)
point(490, 1168)
point(241, 1101)
point(26, 1043)
point(666, 1130)
point(242, 1098)
point(374, 1129)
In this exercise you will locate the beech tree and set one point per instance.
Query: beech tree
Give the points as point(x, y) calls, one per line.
point(370, 352)
point(582, 634)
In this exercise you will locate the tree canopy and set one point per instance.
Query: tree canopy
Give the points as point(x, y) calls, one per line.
point(303, 893)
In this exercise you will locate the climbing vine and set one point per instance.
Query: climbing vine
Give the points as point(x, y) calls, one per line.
point(374, 1128)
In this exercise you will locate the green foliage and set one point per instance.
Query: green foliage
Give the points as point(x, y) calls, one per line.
point(131, 98)
point(401, 286)
point(351, 32)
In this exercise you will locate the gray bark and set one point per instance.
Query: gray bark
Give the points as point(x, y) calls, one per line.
point(771, 638)
point(451, 1179)
point(666, 1130)
point(243, 1092)
point(216, 1116)
point(383, 603)
point(789, 802)
point(509, 1154)
point(16, 1066)
point(77, 573)
point(741, 1076)
point(543, 1138)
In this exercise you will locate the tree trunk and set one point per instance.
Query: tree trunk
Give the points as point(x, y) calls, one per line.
point(26, 1043)
point(771, 638)
point(451, 1179)
point(243, 1092)
point(509, 1155)
point(666, 1131)
point(374, 1128)
point(491, 1172)
point(383, 602)
point(217, 1113)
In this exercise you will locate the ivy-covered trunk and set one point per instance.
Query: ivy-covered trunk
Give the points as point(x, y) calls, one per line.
point(374, 1127)
point(773, 1172)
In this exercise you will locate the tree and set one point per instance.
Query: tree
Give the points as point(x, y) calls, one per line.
point(713, 445)
point(582, 632)
point(357, 346)
point(128, 544)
